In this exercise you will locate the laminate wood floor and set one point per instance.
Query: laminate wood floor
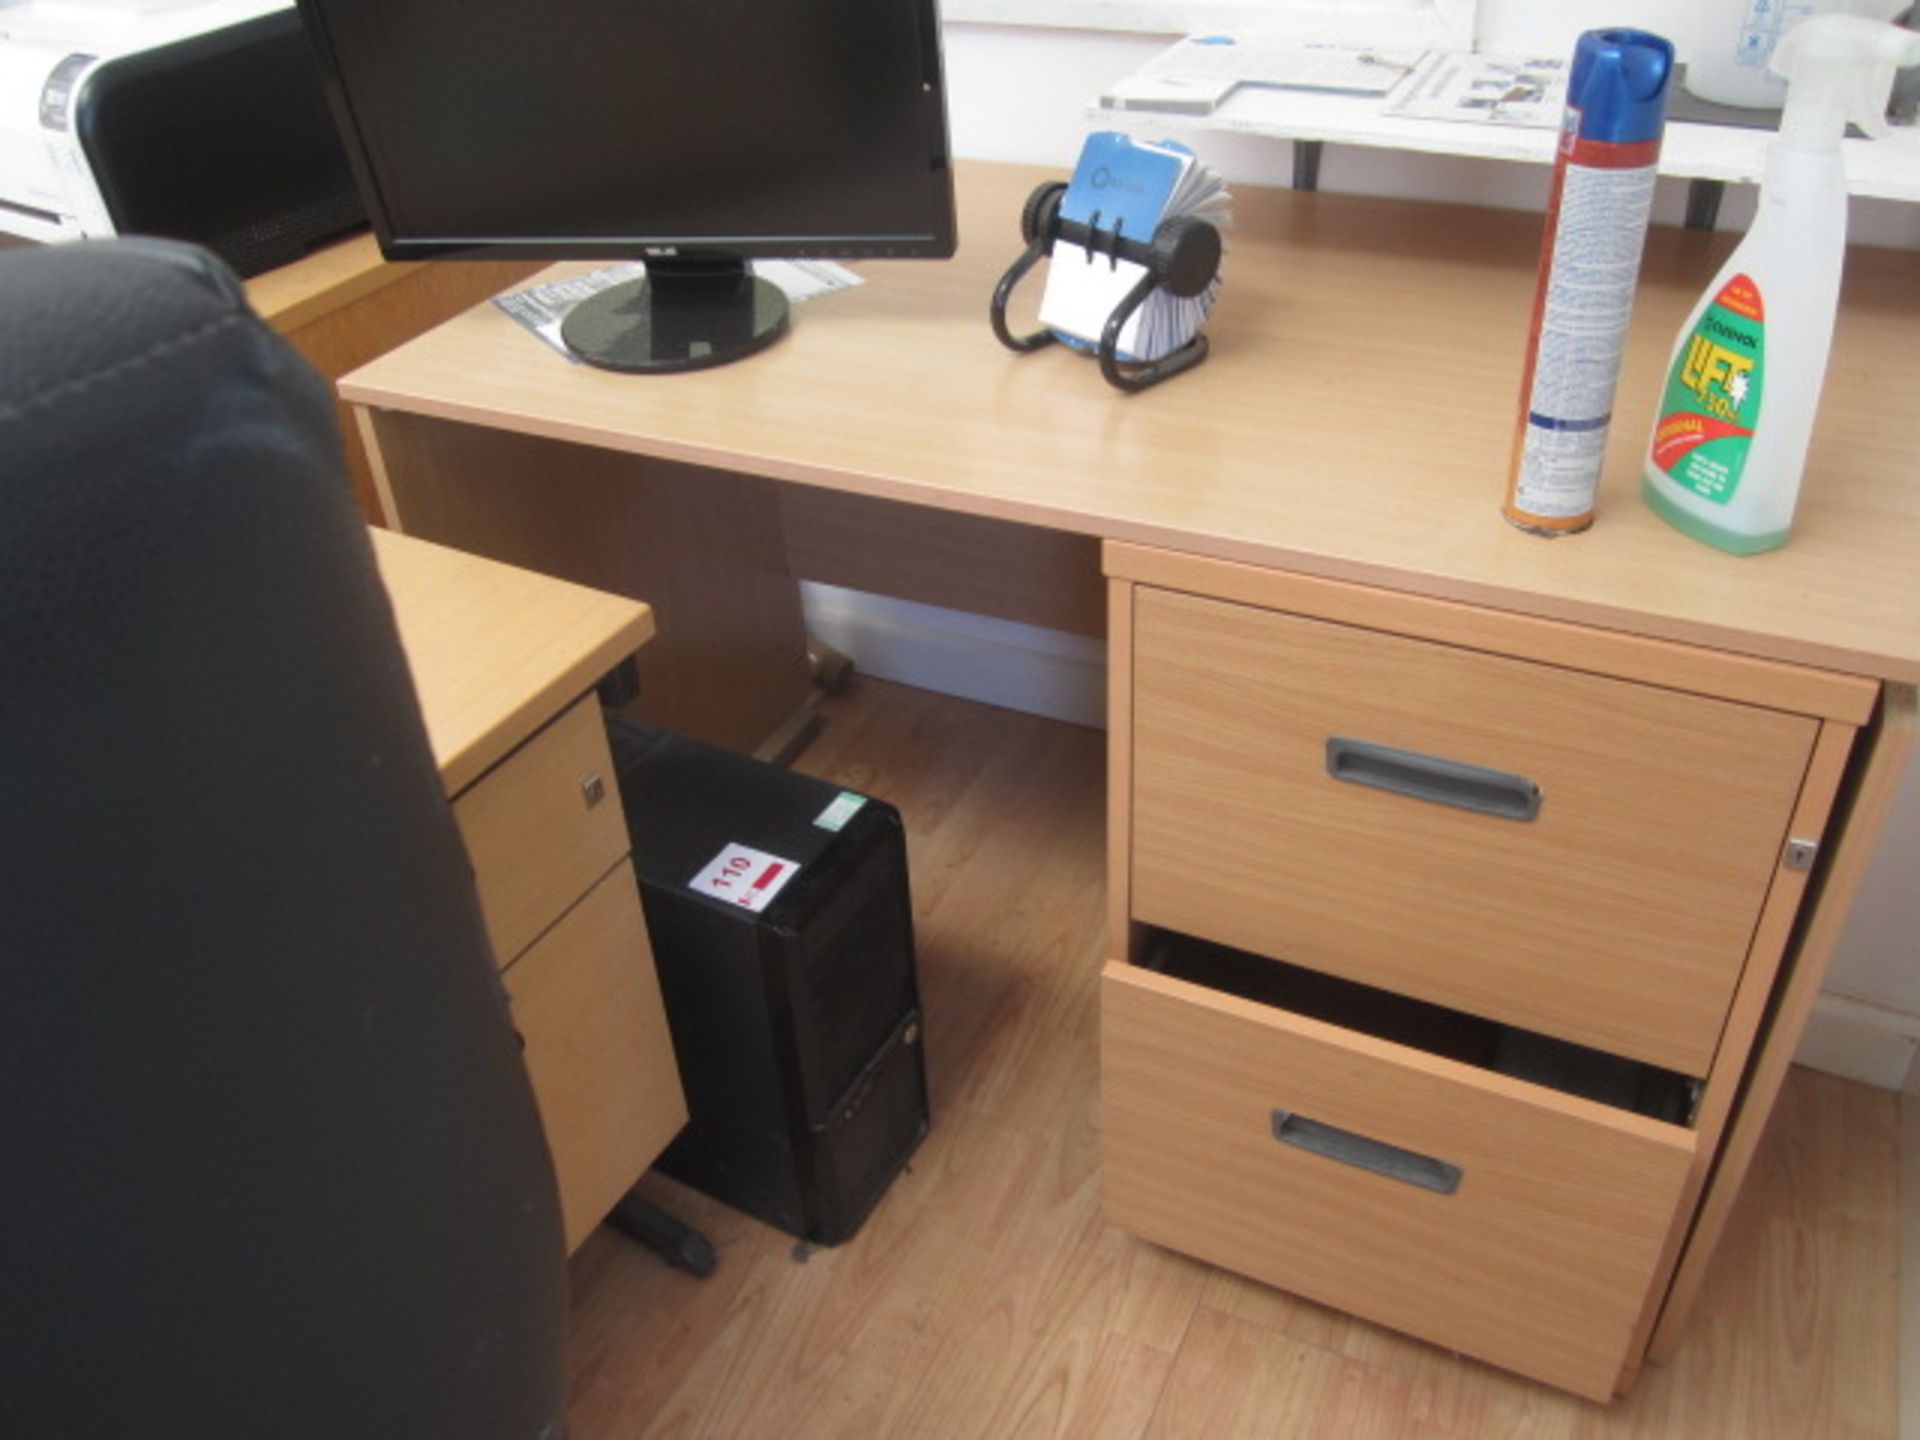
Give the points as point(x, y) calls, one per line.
point(985, 1298)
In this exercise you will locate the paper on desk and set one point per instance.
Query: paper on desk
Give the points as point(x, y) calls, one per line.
point(542, 308)
point(1488, 89)
point(1197, 74)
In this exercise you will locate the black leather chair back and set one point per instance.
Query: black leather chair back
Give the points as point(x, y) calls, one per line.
point(269, 1163)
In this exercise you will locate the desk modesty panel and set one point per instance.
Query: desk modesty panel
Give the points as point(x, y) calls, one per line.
point(1309, 583)
point(342, 305)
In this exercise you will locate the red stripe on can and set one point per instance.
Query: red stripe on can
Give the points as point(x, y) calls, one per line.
point(1603, 155)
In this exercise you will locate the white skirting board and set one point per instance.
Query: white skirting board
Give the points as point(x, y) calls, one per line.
point(1047, 672)
point(1869, 1043)
point(997, 662)
point(1910, 1258)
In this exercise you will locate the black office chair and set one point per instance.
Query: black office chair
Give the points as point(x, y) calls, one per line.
point(269, 1163)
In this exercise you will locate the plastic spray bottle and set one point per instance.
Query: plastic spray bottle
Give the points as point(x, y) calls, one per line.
point(1730, 437)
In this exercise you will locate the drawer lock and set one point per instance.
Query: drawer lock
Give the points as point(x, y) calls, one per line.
point(1350, 1148)
point(593, 790)
point(1801, 854)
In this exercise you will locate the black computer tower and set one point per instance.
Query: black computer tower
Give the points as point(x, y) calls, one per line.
point(797, 1023)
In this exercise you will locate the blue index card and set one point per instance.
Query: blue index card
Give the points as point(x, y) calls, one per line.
point(1122, 185)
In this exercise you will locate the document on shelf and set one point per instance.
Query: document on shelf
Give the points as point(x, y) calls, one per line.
point(1197, 74)
point(542, 308)
point(1526, 91)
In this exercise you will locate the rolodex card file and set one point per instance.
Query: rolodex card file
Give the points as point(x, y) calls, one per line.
point(1126, 187)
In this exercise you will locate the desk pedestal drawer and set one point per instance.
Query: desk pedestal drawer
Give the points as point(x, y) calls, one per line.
point(538, 829)
point(587, 1003)
point(1571, 853)
point(1471, 1209)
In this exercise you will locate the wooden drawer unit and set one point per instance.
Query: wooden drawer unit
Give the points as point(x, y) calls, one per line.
point(504, 662)
point(1569, 852)
point(1490, 1215)
point(587, 1003)
point(542, 826)
point(548, 843)
point(1593, 847)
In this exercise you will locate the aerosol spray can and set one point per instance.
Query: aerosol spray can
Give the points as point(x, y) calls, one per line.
point(1603, 179)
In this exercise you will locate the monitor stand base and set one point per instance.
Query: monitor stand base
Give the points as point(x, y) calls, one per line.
point(684, 315)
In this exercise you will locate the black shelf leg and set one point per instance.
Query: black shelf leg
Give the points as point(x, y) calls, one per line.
point(1703, 203)
point(1306, 164)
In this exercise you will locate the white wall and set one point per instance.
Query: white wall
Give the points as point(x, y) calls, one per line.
point(1021, 93)
point(1026, 93)
point(1910, 1260)
point(1868, 1023)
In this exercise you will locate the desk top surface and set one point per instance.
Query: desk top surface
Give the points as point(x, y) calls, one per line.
point(497, 651)
point(334, 275)
point(1354, 420)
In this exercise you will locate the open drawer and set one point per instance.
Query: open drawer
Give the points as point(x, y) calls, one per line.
point(1483, 1212)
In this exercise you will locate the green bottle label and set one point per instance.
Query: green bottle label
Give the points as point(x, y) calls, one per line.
point(1713, 395)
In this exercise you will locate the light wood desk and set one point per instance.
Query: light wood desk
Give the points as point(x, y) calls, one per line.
point(343, 304)
point(1298, 542)
point(504, 663)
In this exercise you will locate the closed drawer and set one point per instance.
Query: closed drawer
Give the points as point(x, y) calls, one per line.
point(1618, 916)
point(1468, 1208)
point(542, 826)
point(586, 1002)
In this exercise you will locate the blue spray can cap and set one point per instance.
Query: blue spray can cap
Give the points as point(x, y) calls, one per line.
point(1619, 84)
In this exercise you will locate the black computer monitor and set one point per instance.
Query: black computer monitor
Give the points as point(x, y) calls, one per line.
point(695, 135)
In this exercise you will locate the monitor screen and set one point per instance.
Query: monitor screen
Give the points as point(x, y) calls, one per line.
point(696, 134)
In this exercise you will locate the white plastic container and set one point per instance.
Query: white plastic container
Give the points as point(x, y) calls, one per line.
point(1734, 41)
point(1733, 48)
point(1730, 438)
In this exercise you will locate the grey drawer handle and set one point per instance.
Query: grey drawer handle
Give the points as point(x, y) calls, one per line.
point(1375, 1155)
point(1428, 777)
